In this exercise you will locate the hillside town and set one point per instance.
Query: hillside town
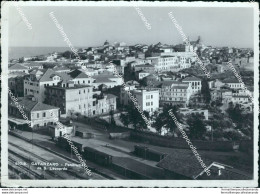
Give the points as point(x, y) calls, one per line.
point(89, 99)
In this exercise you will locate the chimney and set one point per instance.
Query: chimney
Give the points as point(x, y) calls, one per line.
point(219, 172)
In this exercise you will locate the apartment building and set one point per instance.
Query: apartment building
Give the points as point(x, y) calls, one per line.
point(164, 63)
point(174, 92)
point(71, 98)
point(79, 77)
point(35, 82)
point(148, 100)
point(194, 82)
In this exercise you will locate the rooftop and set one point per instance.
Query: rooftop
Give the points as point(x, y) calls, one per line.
point(17, 66)
point(30, 105)
point(191, 79)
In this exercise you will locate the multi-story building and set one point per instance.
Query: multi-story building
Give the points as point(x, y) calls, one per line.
point(35, 83)
point(109, 80)
point(148, 68)
point(174, 92)
point(119, 65)
point(233, 83)
point(164, 63)
point(38, 113)
point(79, 77)
point(147, 99)
point(71, 98)
point(194, 82)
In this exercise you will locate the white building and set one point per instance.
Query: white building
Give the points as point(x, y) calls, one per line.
point(233, 83)
point(34, 84)
point(18, 68)
point(148, 100)
point(164, 63)
point(174, 92)
point(194, 82)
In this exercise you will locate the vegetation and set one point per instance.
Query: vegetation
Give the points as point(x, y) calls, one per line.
point(205, 91)
point(164, 119)
point(134, 117)
point(197, 126)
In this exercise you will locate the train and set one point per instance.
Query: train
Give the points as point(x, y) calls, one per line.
point(88, 153)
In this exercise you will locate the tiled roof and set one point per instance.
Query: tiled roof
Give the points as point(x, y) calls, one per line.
point(144, 66)
point(32, 64)
point(191, 79)
point(41, 106)
point(56, 68)
point(183, 163)
point(230, 80)
point(78, 74)
point(102, 80)
point(17, 66)
point(180, 87)
point(170, 82)
point(104, 76)
point(30, 105)
point(47, 76)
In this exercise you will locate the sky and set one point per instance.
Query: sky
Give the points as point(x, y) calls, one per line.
point(91, 26)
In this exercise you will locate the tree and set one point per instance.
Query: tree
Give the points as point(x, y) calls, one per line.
point(235, 112)
point(124, 118)
point(134, 117)
point(205, 91)
point(164, 119)
point(112, 120)
point(196, 125)
point(21, 60)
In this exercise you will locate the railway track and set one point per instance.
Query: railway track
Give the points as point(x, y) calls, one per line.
point(59, 175)
point(23, 169)
point(94, 170)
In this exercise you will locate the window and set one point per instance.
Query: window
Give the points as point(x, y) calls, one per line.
point(83, 81)
point(151, 103)
point(79, 91)
point(151, 96)
point(44, 114)
point(38, 115)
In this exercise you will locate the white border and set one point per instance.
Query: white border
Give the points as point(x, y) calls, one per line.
point(125, 183)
